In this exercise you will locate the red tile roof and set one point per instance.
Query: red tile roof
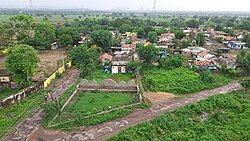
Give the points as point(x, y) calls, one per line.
point(202, 63)
point(106, 56)
point(202, 54)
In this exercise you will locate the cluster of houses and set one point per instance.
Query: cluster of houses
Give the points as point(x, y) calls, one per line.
point(120, 56)
point(201, 58)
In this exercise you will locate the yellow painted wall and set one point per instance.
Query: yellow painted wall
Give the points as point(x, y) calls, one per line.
point(53, 76)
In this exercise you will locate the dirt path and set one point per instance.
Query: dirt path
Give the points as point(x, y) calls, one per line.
point(111, 128)
point(33, 122)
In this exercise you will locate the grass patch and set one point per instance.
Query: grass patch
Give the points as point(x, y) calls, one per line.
point(82, 109)
point(18, 112)
point(99, 75)
point(94, 120)
point(179, 81)
point(5, 92)
point(220, 117)
point(90, 103)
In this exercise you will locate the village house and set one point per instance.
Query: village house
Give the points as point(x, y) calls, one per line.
point(166, 38)
point(237, 45)
point(105, 58)
point(119, 64)
point(128, 47)
point(204, 56)
point(219, 62)
point(5, 80)
point(192, 51)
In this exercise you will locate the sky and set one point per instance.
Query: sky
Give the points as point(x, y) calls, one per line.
point(170, 5)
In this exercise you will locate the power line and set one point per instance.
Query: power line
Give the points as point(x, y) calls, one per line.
point(154, 8)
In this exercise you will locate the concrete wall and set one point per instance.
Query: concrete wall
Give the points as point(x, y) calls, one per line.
point(108, 85)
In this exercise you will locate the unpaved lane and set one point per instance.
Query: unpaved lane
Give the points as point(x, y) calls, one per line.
point(111, 128)
point(33, 122)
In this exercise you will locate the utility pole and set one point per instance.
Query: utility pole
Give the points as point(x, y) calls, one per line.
point(30, 8)
point(63, 61)
point(154, 8)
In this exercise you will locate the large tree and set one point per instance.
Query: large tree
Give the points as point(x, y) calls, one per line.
point(102, 38)
point(200, 39)
point(23, 26)
point(192, 23)
point(22, 61)
point(179, 34)
point(243, 58)
point(147, 53)
point(152, 36)
point(125, 28)
point(67, 35)
point(45, 34)
point(85, 59)
point(247, 39)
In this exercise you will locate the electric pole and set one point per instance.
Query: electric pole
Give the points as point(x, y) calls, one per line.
point(154, 8)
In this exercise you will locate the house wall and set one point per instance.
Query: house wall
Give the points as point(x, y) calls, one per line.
point(186, 54)
point(115, 69)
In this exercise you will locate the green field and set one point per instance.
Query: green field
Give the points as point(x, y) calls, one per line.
point(85, 110)
point(99, 75)
point(179, 81)
point(91, 103)
point(18, 111)
point(218, 118)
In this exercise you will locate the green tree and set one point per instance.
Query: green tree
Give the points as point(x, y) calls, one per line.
point(22, 61)
point(125, 28)
point(152, 37)
point(45, 34)
point(140, 33)
point(179, 34)
point(147, 53)
point(102, 38)
point(175, 61)
point(23, 26)
point(243, 58)
point(85, 59)
point(192, 23)
point(67, 35)
point(4, 39)
point(207, 77)
point(66, 40)
point(200, 39)
point(132, 67)
point(245, 83)
point(247, 39)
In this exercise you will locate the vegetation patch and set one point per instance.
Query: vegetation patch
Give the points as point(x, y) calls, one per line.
point(11, 115)
point(220, 117)
point(179, 81)
point(5, 92)
point(89, 109)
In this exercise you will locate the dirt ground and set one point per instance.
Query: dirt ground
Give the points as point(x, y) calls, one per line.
point(49, 62)
point(156, 97)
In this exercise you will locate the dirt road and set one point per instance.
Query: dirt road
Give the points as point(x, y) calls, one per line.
point(33, 122)
point(111, 128)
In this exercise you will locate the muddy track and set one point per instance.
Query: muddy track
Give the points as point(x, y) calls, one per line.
point(33, 122)
point(111, 128)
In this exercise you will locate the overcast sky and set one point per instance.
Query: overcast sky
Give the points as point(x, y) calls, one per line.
point(173, 5)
